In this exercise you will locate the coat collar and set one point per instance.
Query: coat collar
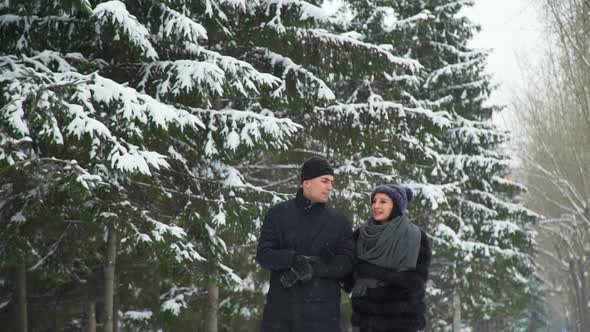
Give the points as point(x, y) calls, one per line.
point(303, 203)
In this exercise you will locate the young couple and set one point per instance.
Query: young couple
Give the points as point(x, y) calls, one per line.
point(311, 251)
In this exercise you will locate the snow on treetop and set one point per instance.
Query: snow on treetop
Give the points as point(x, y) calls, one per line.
point(116, 13)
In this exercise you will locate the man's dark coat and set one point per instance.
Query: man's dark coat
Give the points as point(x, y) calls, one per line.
point(298, 227)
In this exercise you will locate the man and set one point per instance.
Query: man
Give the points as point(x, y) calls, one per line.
point(308, 246)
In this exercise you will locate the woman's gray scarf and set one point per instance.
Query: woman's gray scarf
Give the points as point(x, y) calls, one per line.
point(394, 245)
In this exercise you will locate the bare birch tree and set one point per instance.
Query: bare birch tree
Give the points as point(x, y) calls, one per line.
point(554, 115)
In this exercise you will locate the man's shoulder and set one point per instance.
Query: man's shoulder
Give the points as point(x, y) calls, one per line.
point(336, 214)
point(282, 206)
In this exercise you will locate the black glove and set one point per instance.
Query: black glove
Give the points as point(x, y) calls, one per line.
point(302, 268)
point(288, 278)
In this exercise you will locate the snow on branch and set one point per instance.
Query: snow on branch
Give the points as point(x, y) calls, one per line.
point(323, 36)
point(183, 76)
point(434, 194)
point(306, 10)
point(146, 229)
point(136, 315)
point(469, 54)
point(452, 69)
point(508, 183)
point(497, 204)
point(323, 93)
point(81, 109)
point(178, 26)
point(362, 169)
point(26, 26)
point(470, 248)
point(392, 23)
point(500, 229)
point(210, 77)
point(453, 6)
point(114, 12)
point(385, 109)
point(460, 162)
point(238, 69)
point(246, 127)
point(478, 135)
point(175, 299)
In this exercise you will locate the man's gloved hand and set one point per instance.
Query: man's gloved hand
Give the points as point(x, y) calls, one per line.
point(302, 268)
point(288, 278)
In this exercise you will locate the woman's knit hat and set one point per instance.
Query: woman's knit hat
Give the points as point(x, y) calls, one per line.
point(401, 197)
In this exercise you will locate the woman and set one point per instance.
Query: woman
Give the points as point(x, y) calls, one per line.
point(393, 257)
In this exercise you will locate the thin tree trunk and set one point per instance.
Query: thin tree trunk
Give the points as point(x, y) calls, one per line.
point(109, 281)
point(456, 311)
point(91, 316)
point(115, 307)
point(584, 301)
point(212, 304)
point(21, 295)
point(579, 316)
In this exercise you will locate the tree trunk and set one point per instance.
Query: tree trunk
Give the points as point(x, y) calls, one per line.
point(579, 310)
point(115, 307)
point(90, 316)
point(212, 304)
point(456, 311)
point(21, 296)
point(109, 281)
point(584, 301)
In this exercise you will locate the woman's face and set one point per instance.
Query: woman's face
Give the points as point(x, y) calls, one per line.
point(381, 207)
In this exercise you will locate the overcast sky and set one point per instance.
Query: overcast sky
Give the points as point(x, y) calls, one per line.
point(512, 29)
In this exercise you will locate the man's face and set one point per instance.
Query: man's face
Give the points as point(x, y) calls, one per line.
point(318, 190)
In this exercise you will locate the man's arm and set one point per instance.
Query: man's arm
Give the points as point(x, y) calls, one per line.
point(269, 254)
point(342, 261)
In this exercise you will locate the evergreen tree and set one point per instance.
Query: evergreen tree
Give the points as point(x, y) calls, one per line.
point(484, 244)
point(116, 117)
point(171, 126)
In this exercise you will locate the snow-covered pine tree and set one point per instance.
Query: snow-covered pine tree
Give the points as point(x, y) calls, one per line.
point(305, 46)
point(484, 247)
point(366, 121)
point(384, 132)
point(128, 121)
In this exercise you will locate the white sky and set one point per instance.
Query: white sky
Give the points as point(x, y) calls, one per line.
point(513, 30)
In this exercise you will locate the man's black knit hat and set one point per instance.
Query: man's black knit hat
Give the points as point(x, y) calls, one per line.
point(314, 167)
